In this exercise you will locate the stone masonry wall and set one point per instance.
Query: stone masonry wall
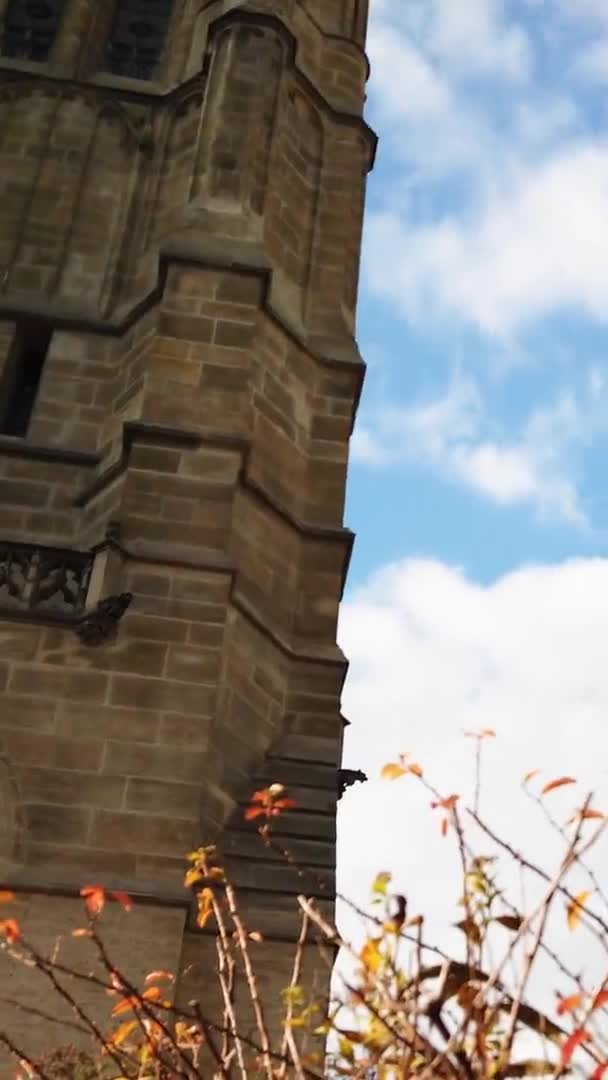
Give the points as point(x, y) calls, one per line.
point(193, 244)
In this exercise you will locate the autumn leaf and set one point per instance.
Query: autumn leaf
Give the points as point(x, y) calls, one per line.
point(268, 803)
point(584, 814)
point(560, 782)
point(194, 875)
point(123, 899)
point(82, 931)
point(7, 897)
point(599, 1071)
point(381, 883)
point(575, 1039)
point(254, 935)
point(484, 733)
point(392, 771)
point(152, 993)
point(530, 775)
point(370, 954)
point(11, 930)
point(126, 1005)
point(446, 804)
point(569, 1004)
point(123, 1032)
point(154, 976)
point(205, 907)
point(94, 898)
point(600, 999)
point(575, 909)
point(510, 922)
point(444, 826)
point(470, 929)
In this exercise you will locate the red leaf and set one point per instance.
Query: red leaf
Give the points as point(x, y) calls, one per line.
point(11, 930)
point(446, 804)
point(561, 782)
point(567, 1004)
point(444, 826)
point(600, 999)
point(253, 812)
point(123, 899)
point(599, 1071)
point(575, 1039)
point(94, 898)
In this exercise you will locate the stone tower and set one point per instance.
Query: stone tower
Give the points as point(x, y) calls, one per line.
point(181, 198)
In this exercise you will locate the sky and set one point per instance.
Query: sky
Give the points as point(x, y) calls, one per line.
point(478, 488)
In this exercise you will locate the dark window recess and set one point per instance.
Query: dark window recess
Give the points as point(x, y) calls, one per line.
point(30, 28)
point(22, 378)
point(137, 38)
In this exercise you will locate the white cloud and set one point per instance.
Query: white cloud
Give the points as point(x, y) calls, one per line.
point(447, 433)
point(406, 81)
point(475, 38)
point(432, 654)
point(538, 244)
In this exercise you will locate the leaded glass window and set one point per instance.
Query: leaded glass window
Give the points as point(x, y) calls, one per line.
point(30, 28)
point(137, 38)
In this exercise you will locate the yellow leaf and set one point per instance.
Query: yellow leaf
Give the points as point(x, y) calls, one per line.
point(381, 883)
point(371, 956)
point(124, 1031)
point(346, 1048)
point(392, 771)
point(575, 909)
point(192, 876)
point(205, 907)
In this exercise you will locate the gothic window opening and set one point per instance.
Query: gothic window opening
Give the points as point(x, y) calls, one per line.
point(137, 38)
point(30, 28)
point(22, 379)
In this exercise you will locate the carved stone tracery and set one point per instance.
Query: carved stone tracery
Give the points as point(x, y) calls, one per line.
point(43, 579)
point(30, 29)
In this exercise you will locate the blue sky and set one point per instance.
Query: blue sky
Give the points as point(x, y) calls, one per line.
point(478, 594)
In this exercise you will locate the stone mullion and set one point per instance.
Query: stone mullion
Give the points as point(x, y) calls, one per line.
point(3, 10)
point(71, 49)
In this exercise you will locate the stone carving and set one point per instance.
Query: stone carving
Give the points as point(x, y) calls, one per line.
point(101, 624)
point(36, 578)
point(348, 777)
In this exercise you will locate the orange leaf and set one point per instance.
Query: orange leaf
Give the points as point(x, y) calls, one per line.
point(561, 782)
point(81, 932)
point(152, 993)
point(11, 930)
point(575, 1039)
point(584, 814)
point(254, 935)
point(126, 1005)
point(444, 827)
point(446, 804)
point(162, 975)
point(600, 999)
point(123, 899)
point(575, 909)
point(193, 875)
point(94, 898)
point(253, 812)
point(124, 1031)
point(392, 771)
point(205, 907)
point(7, 897)
point(529, 775)
point(415, 769)
point(568, 1004)
point(485, 733)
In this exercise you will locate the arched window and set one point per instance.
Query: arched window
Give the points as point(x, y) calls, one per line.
point(137, 38)
point(30, 28)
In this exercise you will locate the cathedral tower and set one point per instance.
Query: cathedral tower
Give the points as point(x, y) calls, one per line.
point(181, 198)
